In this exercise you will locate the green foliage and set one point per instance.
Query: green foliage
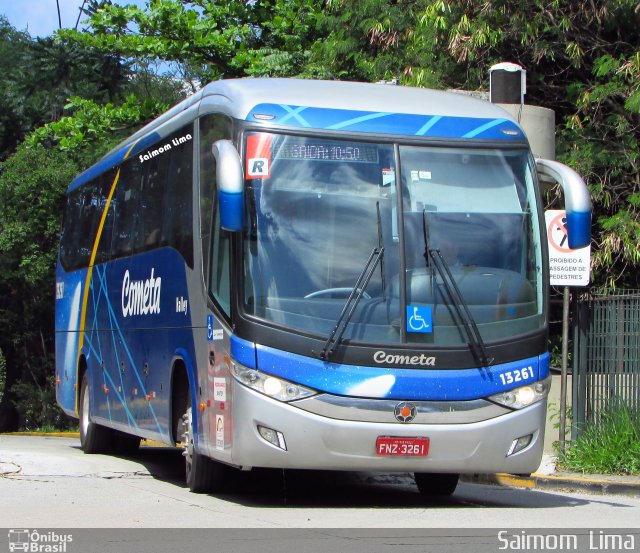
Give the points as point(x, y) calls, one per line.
point(38, 76)
point(167, 88)
point(611, 446)
point(36, 403)
point(583, 61)
point(32, 186)
point(375, 40)
point(605, 132)
point(213, 39)
point(287, 36)
point(92, 129)
point(13, 49)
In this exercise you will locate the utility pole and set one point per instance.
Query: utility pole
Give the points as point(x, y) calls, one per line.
point(59, 16)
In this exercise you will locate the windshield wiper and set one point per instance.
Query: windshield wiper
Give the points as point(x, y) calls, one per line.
point(439, 263)
point(381, 248)
point(352, 302)
point(376, 256)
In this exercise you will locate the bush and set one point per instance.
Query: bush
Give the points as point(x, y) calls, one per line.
point(610, 447)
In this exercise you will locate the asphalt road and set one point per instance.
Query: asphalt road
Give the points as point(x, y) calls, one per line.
point(49, 482)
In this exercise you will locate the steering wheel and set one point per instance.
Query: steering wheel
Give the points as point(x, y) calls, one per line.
point(342, 290)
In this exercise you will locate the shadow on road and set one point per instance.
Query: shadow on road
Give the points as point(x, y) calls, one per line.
point(276, 488)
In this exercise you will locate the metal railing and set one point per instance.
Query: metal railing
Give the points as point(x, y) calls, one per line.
point(606, 364)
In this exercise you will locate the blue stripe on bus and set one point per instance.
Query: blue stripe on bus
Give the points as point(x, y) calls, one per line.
point(389, 123)
point(388, 382)
point(243, 351)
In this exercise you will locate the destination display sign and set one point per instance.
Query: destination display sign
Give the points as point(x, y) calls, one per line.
point(326, 150)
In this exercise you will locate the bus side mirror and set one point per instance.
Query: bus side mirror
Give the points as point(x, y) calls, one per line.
point(230, 179)
point(576, 198)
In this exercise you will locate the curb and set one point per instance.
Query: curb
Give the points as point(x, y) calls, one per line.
point(44, 434)
point(558, 482)
point(145, 442)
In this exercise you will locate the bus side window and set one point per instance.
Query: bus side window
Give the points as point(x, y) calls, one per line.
point(215, 241)
point(178, 200)
point(219, 283)
point(104, 246)
point(149, 223)
point(126, 210)
point(81, 224)
point(69, 239)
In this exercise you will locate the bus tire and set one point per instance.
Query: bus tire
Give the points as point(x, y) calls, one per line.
point(124, 444)
point(436, 484)
point(203, 475)
point(93, 437)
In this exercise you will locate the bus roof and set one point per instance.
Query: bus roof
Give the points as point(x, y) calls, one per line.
point(246, 94)
point(329, 105)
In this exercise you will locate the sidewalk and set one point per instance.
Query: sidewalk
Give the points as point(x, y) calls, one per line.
point(548, 478)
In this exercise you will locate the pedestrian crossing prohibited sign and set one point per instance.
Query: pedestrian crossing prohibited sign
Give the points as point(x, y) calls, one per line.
point(567, 267)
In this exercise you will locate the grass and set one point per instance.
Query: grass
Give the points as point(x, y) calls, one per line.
point(49, 429)
point(610, 447)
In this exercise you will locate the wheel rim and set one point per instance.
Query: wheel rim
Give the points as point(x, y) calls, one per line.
point(85, 410)
point(188, 441)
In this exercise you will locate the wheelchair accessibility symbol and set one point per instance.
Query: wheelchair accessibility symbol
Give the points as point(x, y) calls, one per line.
point(419, 318)
point(210, 328)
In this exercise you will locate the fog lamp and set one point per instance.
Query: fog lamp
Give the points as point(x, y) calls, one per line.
point(273, 437)
point(519, 444)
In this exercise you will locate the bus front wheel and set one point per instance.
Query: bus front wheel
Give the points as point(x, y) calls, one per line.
point(93, 437)
point(203, 475)
point(436, 484)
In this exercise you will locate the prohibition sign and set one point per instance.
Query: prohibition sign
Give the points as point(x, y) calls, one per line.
point(557, 231)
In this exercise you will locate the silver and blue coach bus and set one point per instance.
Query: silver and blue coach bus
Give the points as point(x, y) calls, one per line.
point(315, 275)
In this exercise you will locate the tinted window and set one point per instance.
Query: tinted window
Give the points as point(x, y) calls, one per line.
point(81, 222)
point(215, 242)
point(152, 206)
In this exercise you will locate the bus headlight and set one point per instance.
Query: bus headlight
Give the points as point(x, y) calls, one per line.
point(271, 386)
point(523, 396)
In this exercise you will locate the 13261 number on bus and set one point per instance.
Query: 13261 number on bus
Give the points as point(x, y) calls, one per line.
point(517, 375)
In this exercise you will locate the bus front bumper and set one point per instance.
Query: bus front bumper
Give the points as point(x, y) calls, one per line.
point(309, 440)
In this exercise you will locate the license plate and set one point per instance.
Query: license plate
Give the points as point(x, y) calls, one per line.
point(402, 447)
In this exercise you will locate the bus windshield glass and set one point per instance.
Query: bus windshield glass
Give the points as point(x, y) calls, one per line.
point(316, 209)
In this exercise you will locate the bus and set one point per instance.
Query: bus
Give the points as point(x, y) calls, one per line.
point(313, 275)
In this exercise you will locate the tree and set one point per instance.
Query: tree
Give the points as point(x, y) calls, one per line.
point(32, 185)
point(373, 40)
point(91, 129)
point(211, 39)
point(583, 60)
point(40, 75)
point(13, 52)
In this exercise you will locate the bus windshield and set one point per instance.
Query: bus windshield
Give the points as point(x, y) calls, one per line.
point(316, 209)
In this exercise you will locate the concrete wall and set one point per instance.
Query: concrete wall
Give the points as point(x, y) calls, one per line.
point(539, 124)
